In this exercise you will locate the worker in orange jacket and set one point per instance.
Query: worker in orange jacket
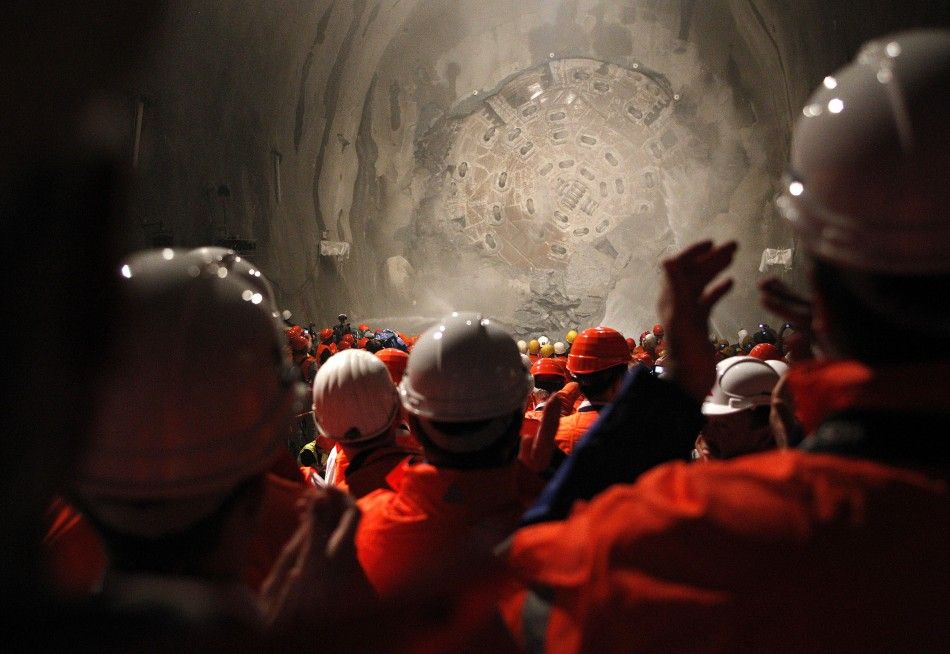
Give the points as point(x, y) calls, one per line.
point(598, 361)
point(841, 544)
point(464, 390)
point(355, 404)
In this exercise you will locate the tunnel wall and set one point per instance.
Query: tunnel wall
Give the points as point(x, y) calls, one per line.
point(284, 123)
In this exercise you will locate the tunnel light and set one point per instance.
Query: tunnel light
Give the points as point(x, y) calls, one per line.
point(126, 271)
point(247, 295)
point(257, 298)
point(796, 188)
point(836, 105)
point(812, 110)
point(168, 254)
point(884, 75)
point(222, 272)
point(830, 82)
point(893, 49)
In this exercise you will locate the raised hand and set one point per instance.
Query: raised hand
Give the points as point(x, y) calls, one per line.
point(536, 451)
point(317, 569)
point(685, 302)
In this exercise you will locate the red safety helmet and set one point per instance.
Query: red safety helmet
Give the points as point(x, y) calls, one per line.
point(326, 335)
point(344, 345)
point(766, 352)
point(363, 327)
point(631, 344)
point(596, 349)
point(395, 361)
point(298, 339)
point(658, 331)
point(348, 338)
point(548, 367)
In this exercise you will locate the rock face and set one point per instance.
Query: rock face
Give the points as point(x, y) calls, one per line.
point(530, 159)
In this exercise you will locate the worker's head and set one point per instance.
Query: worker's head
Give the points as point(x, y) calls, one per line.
point(598, 361)
point(737, 410)
point(866, 192)
point(177, 437)
point(354, 399)
point(465, 390)
point(298, 340)
point(549, 375)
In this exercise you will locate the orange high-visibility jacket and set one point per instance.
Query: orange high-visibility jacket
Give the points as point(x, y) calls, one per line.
point(784, 551)
point(573, 427)
point(371, 469)
point(433, 514)
point(78, 559)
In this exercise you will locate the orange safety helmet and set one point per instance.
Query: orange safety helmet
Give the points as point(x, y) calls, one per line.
point(298, 339)
point(395, 361)
point(766, 352)
point(596, 349)
point(548, 367)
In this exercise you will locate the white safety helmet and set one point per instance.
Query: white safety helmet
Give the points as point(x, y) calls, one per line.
point(649, 342)
point(196, 398)
point(465, 369)
point(560, 348)
point(523, 347)
point(741, 383)
point(867, 188)
point(543, 340)
point(354, 398)
point(526, 362)
point(779, 366)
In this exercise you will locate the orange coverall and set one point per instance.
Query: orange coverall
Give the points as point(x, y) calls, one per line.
point(772, 552)
point(573, 427)
point(431, 520)
point(78, 560)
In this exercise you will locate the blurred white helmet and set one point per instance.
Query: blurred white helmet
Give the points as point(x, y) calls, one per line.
point(234, 263)
point(526, 361)
point(197, 395)
point(465, 369)
point(560, 348)
point(867, 185)
point(354, 398)
point(543, 340)
point(779, 366)
point(741, 383)
point(522, 347)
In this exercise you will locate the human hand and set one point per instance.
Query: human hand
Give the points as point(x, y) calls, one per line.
point(536, 451)
point(684, 305)
point(780, 299)
point(317, 567)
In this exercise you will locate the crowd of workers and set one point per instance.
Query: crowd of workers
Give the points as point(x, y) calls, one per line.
point(787, 492)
